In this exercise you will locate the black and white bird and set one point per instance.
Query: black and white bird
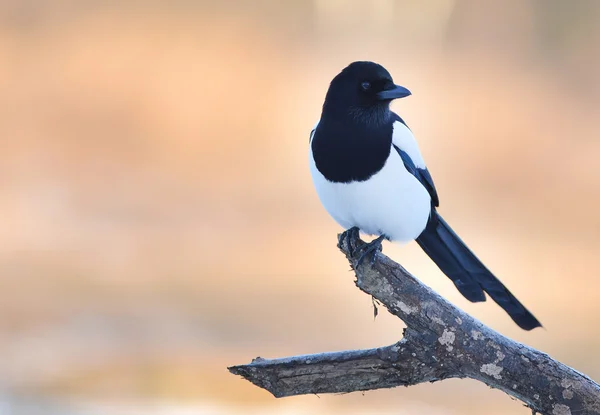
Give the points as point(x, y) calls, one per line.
point(370, 176)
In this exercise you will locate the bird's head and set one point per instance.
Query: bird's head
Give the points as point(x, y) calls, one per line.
point(362, 92)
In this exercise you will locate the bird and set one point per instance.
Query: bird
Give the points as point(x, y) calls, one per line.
point(370, 176)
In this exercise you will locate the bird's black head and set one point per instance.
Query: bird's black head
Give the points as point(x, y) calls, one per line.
point(362, 93)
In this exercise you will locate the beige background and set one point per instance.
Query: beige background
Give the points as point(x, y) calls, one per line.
point(159, 221)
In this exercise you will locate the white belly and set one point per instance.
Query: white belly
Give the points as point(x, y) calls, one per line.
point(392, 202)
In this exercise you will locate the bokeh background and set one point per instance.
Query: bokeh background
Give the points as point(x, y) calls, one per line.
point(159, 222)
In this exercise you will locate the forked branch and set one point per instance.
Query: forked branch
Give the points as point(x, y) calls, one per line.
point(440, 342)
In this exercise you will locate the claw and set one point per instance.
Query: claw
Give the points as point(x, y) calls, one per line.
point(348, 236)
point(369, 248)
point(353, 235)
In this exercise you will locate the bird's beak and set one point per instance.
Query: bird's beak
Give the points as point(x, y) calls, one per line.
point(395, 91)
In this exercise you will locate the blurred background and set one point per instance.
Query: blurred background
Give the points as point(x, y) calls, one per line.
point(159, 222)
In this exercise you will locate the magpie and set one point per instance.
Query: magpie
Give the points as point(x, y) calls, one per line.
point(370, 176)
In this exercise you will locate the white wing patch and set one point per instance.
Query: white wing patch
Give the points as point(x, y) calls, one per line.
point(405, 140)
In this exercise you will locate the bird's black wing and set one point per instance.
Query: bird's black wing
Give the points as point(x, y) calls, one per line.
point(422, 175)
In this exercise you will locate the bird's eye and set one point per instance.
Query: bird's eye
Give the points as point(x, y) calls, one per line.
point(366, 85)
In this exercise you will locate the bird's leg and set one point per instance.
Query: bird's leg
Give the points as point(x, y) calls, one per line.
point(366, 249)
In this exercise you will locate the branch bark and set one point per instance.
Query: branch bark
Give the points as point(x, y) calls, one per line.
point(440, 342)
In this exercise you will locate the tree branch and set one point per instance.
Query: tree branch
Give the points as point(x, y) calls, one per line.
point(440, 342)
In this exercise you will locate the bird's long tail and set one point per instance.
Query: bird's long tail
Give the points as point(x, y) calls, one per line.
point(467, 272)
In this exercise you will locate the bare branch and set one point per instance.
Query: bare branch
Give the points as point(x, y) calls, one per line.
point(440, 342)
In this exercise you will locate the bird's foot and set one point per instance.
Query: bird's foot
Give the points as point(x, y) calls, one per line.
point(347, 237)
point(367, 249)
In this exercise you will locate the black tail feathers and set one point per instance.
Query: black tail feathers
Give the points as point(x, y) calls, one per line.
point(467, 272)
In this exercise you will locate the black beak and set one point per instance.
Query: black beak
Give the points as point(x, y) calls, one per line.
point(395, 91)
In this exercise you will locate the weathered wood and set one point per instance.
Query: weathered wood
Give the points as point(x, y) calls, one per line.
point(440, 342)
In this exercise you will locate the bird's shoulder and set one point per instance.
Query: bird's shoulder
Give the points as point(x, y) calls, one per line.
point(403, 138)
point(406, 145)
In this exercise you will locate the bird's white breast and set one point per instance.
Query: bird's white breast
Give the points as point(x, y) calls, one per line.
point(391, 202)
